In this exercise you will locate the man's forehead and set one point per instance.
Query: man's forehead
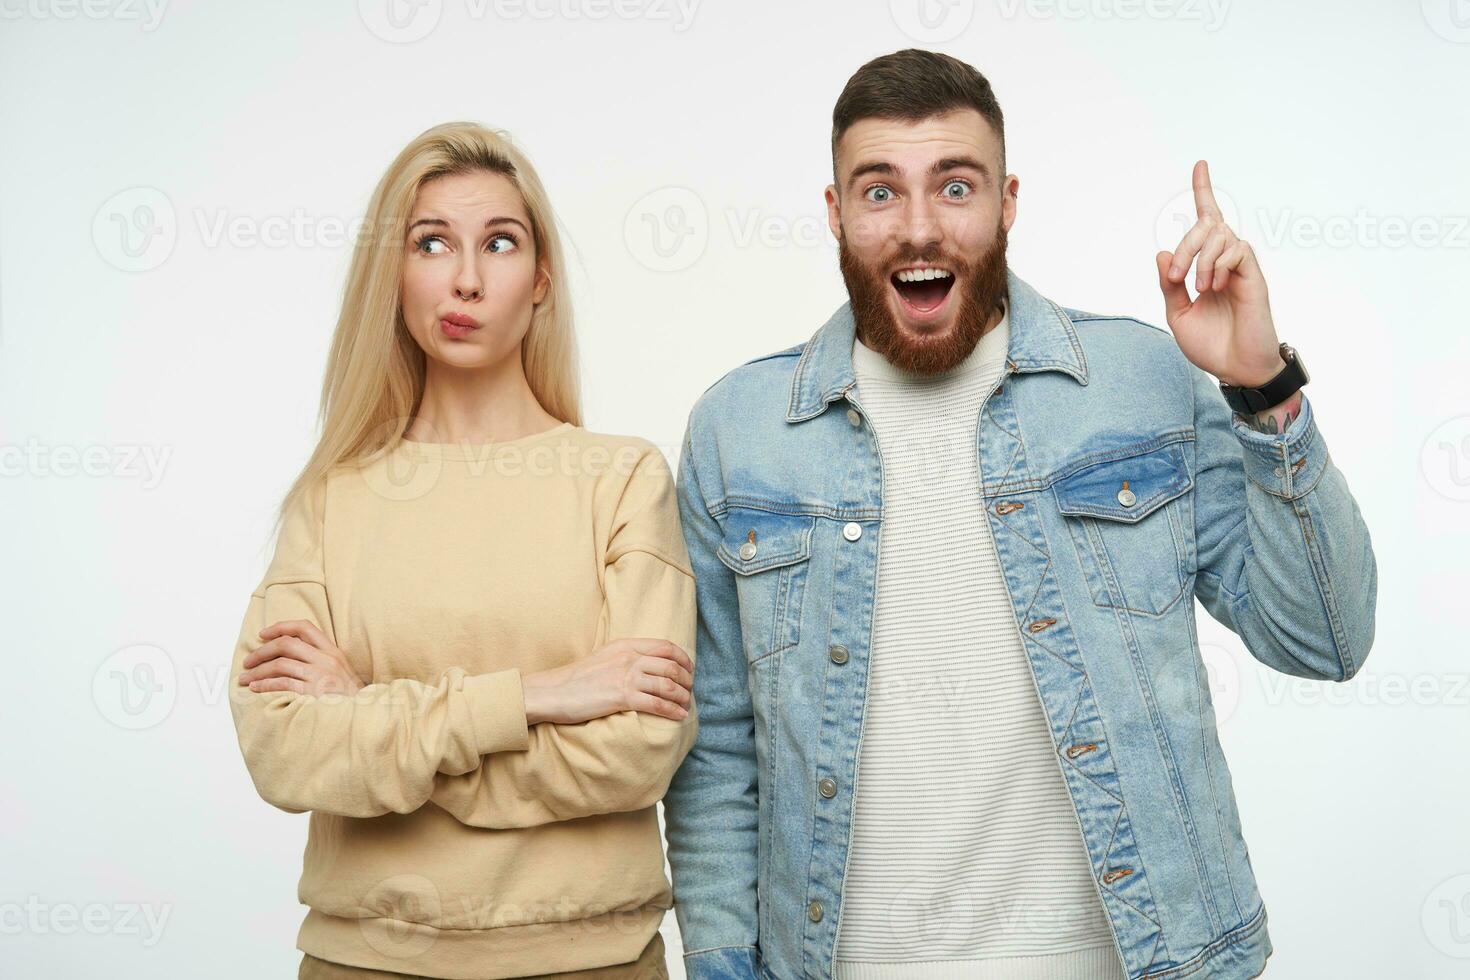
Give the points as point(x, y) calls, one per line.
point(958, 132)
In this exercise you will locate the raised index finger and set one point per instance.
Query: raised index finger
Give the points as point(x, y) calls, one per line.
point(1204, 194)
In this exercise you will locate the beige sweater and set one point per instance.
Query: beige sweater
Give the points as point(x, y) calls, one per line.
point(447, 837)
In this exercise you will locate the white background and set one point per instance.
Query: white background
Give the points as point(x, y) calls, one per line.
point(176, 185)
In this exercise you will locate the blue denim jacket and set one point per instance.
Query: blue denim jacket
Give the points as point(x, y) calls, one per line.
point(1118, 488)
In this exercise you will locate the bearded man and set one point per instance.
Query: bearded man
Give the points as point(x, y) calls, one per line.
point(985, 748)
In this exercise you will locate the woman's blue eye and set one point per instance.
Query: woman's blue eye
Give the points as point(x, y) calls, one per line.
point(879, 194)
point(956, 189)
point(507, 242)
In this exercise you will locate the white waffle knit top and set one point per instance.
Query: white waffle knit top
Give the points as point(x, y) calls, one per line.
point(967, 860)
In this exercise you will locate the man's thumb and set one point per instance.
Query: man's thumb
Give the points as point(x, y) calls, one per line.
point(1176, 294)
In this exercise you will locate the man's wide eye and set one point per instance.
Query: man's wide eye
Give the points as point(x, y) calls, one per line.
point(879, 194)
point(956, 189)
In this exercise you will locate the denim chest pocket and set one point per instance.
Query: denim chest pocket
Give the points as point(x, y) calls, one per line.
point(769, 554)
point(1129, 519)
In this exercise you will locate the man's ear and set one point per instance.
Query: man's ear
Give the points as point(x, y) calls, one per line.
point(834, 212)
point(1009, 191)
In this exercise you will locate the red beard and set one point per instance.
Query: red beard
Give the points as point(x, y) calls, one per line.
point(983, 287)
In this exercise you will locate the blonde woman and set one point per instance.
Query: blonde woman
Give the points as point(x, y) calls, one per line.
point(470, 657)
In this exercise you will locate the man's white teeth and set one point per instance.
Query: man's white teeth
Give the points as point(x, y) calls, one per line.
point(919, 275)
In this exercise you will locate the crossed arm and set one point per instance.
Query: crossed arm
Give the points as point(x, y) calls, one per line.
point(464, 742)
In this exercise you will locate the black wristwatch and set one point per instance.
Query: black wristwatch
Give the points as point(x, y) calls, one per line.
point(1248, 401)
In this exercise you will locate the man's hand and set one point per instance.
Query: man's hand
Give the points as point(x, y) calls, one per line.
point(1227, 329)
point(297, 656)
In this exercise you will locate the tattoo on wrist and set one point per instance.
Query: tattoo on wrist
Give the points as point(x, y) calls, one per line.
point(1266, 421)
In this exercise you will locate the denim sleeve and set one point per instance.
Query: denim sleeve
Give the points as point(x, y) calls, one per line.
point(711, 809)
point(1285, 560)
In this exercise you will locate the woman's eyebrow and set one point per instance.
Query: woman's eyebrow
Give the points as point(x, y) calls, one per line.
point(507, 221)
point(489, 222)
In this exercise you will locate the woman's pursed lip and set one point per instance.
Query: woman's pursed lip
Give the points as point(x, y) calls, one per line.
point(459, 320)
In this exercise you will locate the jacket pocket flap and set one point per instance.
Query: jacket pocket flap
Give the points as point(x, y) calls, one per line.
point(1126, 489)
point(756, 540)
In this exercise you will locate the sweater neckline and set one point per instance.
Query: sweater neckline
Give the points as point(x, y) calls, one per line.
point(472, 450)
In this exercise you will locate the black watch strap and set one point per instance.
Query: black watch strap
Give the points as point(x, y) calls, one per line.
point(1248, 401)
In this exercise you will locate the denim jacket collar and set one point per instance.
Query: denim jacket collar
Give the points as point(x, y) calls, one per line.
point(1042, 339)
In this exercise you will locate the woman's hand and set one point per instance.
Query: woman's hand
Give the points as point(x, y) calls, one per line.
point(297, 656)
point(648, 675)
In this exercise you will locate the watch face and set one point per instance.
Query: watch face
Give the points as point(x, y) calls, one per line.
point(1288, 353)
point(1295, 359)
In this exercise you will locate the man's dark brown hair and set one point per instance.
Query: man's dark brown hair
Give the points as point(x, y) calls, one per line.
point(913, 84)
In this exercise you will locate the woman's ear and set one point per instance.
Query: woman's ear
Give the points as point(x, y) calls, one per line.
point(543, 285)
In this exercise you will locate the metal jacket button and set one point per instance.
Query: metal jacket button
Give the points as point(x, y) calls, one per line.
point(1127, 497)
point(827, 787)
point(747, 550)
point(838, 653)
point(814, 911)
point(854, 417)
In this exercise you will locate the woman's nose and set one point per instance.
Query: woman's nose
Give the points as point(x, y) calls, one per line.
point(467, 284)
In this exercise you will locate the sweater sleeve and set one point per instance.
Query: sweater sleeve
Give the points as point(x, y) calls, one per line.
point(377, 751)
point(622, 761)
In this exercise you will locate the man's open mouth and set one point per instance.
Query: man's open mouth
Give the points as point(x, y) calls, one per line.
point(922, 289)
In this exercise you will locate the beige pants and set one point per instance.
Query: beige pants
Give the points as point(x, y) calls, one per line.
point(648, 966)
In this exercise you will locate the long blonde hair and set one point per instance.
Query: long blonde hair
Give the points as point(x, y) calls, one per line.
point(375, 371)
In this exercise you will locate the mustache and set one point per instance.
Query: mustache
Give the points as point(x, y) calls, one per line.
point(908, 255)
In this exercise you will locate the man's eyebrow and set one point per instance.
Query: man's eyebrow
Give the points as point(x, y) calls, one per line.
point(937, 168)
point(958, 163)
point(871, 167)
point(489, 223)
